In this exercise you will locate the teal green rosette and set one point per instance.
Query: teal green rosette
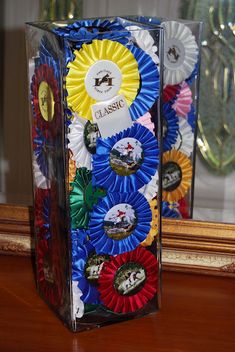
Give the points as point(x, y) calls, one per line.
point(82, 198)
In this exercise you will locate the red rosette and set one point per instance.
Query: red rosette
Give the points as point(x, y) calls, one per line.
point(124, 296)
point(184, 208)
point(46, 102)
point(47, 274)
point(169, 92)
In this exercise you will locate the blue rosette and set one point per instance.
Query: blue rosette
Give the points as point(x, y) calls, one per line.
point(87, 30)
point(170, 126)
point(80, 255)
point(48, 56)
point(43, 150)
point(111, 168)
point(191, 118)
point(78, 236)
point(168, 212)
point(119, 223)
point(149, 84)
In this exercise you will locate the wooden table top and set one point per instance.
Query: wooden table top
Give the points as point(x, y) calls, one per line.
point(198, 314)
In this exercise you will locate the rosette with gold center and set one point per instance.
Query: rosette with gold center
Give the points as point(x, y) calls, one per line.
point(100, 71)
point(176, 175)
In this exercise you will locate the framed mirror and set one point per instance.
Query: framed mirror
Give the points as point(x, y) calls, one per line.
point(205, 243)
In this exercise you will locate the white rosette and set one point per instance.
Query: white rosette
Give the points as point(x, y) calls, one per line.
point(150, 190)
point(185, 138)
point(78, 305)
point(145, 41)
point(180, 52)
point(77, 145)
point(39, 179)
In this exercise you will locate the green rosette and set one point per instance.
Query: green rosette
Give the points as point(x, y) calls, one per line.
point(82, 198)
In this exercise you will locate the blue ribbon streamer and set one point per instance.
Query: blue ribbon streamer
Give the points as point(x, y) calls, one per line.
point(172, 126)
point(149, 84)
point(191, 78)
point(80, 254)
point(191, 118)
point(103, 174)
point(105, 244)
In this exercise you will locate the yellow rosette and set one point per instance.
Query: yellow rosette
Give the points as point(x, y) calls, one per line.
point(176, 175)
point(100, 71)
point(72, 170)
point(153, 230)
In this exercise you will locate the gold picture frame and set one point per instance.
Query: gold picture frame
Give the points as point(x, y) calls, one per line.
point(188, 245)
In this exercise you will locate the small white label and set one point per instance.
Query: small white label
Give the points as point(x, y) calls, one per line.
point(174, 53)
point(112, 116)
point(103, 80)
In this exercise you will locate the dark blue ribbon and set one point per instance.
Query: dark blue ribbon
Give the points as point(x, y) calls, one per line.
point(48, 56)
point(191, 118)
point(43, 148)
point(167, 212)
point(191, 78)
point(84, 31)
point(172, 126)
point(149, 83)
point(98, 236)
point(103, 174)
point(80, 254)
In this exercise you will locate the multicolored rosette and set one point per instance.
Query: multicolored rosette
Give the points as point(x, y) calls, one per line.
point(43, 152)
point(176, 175)
point(169, 211)
point(146, 121)
point(82, 138)
point(126, 161)
point(182, 104)
point(129, 281)
point(39, 179)
point(170, 126)
point(119, 222)
point(149, 88)
point(180, 52)
point(88, 30)
point(145, 41)
point(92, 59)
point(45, 97)
point(154, 225)
point(82, 198)
point(48, 278)
point(86, 267)
point(185, 138)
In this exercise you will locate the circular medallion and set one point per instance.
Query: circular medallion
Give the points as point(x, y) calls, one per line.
point(174, 53)
point(171, 176)
point(91, 133)
point(93, 267)
point(103, 80)
point(120, 221)
point(126, 156)
point(129, 279)
point(46, 101)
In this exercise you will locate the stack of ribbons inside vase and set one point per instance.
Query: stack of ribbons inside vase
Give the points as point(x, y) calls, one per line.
point(110, 84)
point(181, 66)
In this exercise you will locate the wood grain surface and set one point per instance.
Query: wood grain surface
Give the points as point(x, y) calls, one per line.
point(198, 314)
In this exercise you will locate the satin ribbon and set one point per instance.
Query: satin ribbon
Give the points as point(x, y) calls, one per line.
point(98, 236)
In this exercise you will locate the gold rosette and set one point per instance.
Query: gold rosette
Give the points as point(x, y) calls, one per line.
point(72, 169)
point(176, 175)
point(153, 230)
point(112, 59)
